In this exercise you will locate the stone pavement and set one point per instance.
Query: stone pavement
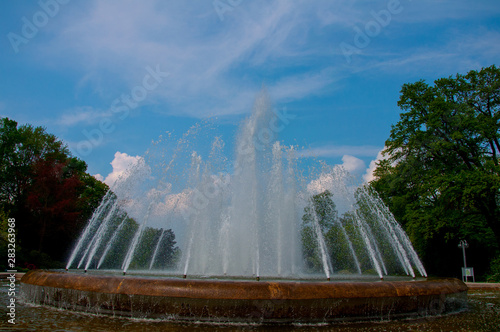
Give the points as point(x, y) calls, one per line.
point(483, 285)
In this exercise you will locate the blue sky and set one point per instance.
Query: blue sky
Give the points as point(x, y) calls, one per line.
point(108, 77)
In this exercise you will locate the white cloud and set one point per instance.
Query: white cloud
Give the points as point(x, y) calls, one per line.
point(368, 176)
point(322, 183)
point(353, 165)
point(334, 178)
point(174, 203)
point(121, 163)
point(99, 177)
point(339, 182)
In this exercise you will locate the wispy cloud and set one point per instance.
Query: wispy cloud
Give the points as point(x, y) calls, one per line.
point(461, 53)
point(79, 115)
point(430, 11)
point(340, 150)
point(299, 86)
point(217, 66)
point(115, 40)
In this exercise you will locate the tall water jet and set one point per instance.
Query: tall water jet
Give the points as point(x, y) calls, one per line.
point(245, 218)
point(325, 258)
point(92, 223)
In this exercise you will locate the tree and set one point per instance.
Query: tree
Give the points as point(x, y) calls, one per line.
point(441, 178)
point(45, 188)
point(20, 149)
point(52, 200)
point(322, 213)
point(156, 241)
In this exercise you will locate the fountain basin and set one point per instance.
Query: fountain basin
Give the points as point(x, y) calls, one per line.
point(243, 301)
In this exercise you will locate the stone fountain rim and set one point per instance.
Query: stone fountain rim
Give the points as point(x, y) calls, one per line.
point(242, 289)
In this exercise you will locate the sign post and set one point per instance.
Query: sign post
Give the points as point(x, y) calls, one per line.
point(466, 271)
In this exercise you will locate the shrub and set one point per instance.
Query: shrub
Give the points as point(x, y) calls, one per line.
point(494, 275)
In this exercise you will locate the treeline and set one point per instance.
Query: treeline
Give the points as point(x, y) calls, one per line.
point(441, 176)
point(51, 197)
point(363, 240)
point(46, 190)
point(110, 236)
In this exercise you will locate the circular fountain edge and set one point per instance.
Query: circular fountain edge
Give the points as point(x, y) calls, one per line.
point(241, 300)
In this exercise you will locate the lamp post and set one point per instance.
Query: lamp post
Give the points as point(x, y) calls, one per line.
point(463, 244)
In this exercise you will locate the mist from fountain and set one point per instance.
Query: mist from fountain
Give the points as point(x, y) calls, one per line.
point(241, 218)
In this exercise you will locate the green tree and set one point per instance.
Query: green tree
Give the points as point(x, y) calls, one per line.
point(320, 212)
point(20, 149)
point(441, 178)
point(344, 247)
point(120, 239)
point(45, 188)
point(166, 250)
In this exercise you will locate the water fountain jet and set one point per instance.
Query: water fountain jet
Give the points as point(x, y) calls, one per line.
point(256, 236)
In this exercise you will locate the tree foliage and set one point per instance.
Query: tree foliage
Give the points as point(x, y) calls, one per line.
point(321, 222)
point(157, 243)
point(44, 188)
point(319, 217)
point(441, 178)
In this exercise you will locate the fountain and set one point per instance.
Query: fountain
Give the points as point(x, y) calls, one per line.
point(259, 241)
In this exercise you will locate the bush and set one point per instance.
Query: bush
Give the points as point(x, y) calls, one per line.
point(36, 259)
point(494, 275)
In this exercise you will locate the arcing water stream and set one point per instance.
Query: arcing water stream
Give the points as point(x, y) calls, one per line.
point(252, 217)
